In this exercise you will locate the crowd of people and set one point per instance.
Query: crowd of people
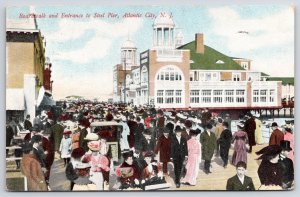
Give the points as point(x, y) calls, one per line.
point(150, 141)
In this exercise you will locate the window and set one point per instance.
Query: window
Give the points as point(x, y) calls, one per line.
point(263, 96)
point(144, 74)
point(218, 96)
point(208, 77)
point(160, 96)
point(178, 96)
point(161, 76)
point(206, 96)
point(167, 76)
point(236, 76)
point(255, 96)
point(201, 76)
point(176, 76)
point(229, 96)
point(169, 97)
point(194, 96)
point(172, 76)
point(272, 96)
point(240, 96)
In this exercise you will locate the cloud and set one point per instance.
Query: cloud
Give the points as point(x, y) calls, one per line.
point(269, 31)
point(281, 66)
point(98, 46)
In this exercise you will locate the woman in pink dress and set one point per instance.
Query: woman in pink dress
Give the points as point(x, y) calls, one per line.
point(240, 139)
point(289, 136)
point(194, 159)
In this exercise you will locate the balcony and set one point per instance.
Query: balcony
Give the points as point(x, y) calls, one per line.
point(166, 55)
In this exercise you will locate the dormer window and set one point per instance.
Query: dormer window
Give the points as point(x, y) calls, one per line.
point(220, 62)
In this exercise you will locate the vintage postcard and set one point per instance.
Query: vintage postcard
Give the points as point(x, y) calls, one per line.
point(143, 98)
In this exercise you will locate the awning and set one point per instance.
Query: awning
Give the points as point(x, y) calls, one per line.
point(45, 98)
point(15, 99)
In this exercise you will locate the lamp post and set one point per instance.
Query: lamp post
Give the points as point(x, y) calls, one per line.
point(124, 61)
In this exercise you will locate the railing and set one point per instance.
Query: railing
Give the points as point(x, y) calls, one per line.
point(169, 55)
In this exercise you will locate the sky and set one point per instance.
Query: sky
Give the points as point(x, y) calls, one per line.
point(83, 51)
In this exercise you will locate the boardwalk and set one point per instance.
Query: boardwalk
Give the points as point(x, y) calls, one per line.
point(214, 181)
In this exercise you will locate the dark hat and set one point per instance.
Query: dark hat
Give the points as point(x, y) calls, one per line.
point(127, 153)
point(165, 130)
point(285, 145)
point(188, 123)
point(147, 132)
point(149, 154)
point(26, 147)
point(36, 128)
point(270, 150)
point(77, 152)
point(178, 129)
point(109, 117)
point(195, 131)
point(274, 124)
point(36, 138)
point(208, 126)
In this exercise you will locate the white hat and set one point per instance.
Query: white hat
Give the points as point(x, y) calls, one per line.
point(82, 165)
point(91, 137)
point(123, 118)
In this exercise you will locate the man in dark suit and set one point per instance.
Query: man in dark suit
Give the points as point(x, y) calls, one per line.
point(225, 142)
point(27, 123)
point(240, 182)
point(179, 153)
point(250, 127)
point(209, 143)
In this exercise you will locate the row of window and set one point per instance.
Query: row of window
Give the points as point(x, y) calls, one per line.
point(230, 96)
point(169, 76)
point(263, 95)
point(168, 96)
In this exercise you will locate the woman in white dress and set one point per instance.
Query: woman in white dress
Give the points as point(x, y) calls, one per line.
point(65, 147)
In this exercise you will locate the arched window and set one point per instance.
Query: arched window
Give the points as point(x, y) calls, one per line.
point(144, 74)
point(169, 74)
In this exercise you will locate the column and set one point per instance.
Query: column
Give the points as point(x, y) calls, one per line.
point(162, 36)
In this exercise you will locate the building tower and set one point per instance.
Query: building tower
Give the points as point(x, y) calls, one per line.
point(163, 32)
point(128, 55)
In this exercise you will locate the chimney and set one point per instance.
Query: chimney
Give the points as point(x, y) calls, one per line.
point(199, 43)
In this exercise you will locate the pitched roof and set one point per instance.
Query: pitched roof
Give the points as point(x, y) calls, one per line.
point(285, 80)
point(210, 59)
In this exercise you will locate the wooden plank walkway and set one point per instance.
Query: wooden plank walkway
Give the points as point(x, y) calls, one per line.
point(215, 181)
point(218, 178)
